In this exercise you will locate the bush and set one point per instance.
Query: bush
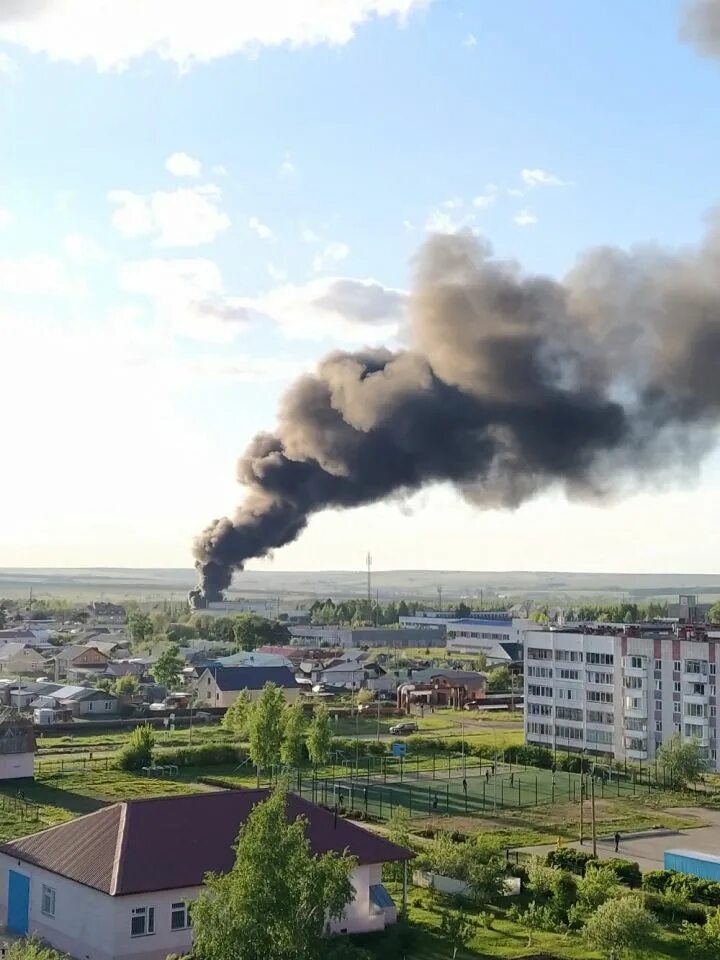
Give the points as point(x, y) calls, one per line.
point(627, 871)
point(673, 910)
point(655, 881)
point(695, 889)
point(567, 858)
point(529, 755)
point(202, 754)
point(138, 752)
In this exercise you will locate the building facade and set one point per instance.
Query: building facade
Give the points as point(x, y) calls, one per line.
point(484, 632)
point(621, 695)
point(117, 884)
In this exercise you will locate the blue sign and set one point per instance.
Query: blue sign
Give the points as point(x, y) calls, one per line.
point(399, 749)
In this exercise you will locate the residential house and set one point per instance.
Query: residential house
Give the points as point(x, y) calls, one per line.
point(441, 688)
point(17, 748)
point(81, 701)
point(81, 660)
point(20, 659)
point(255, 658)
point(22, 693)
point(117, 647)
point(221, 686)
point(118, 883)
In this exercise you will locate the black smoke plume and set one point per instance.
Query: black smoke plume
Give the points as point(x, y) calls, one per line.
point(511, 384)
point(700, 26)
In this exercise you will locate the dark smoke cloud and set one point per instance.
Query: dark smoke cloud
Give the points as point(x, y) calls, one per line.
point(511, 384)
point(700, 26)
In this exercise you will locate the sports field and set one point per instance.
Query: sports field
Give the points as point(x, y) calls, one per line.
point(457, 790)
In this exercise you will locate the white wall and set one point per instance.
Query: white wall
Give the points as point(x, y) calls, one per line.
point(16, 765)
point(90, 925)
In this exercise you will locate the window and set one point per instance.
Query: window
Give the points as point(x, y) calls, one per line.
point(539, 709)
point(658, 664)
point(696, 666)
point(636, 663)
point(180, 916)
point(142, 922)
point(712, 669)
point(676, 666)
point(594, 676)
point(693, 730)
point(47, 903)
point(569, 674)
point(108, 704)
point(633, 683)
point(676, 686)
point(535, 653)
point(606, 659)
point(599, 696)
point(569, 713)
point(600, 716)
point(713, 711)
point(636, 723)
point(90, 705)
point(600, 736)
point(537, 691)
point(658, 705)
point(695, 710)
point(658, 726)
point(658, 685)
point(572, 656)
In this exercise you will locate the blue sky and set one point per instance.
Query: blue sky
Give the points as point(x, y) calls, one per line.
point(177, 193)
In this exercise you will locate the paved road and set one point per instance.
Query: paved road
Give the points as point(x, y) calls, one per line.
point(648, 850)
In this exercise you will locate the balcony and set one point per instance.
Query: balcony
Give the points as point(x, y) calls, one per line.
point(636, 754)
point(637, 707)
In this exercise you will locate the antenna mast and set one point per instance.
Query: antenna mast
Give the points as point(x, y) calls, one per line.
point(368, 561)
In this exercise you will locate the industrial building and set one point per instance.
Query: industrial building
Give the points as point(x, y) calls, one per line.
point(621, 694)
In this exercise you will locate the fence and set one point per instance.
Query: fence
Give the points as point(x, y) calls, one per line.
point(20, 807)
point(73, 764)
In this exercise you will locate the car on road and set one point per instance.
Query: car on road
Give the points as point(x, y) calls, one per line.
point(400, 728)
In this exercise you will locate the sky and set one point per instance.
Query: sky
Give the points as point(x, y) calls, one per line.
point(199, 201)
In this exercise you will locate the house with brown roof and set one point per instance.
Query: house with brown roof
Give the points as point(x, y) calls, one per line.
point(118, 883)
point(80, 660)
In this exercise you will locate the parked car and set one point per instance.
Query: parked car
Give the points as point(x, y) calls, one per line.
point(400, 728)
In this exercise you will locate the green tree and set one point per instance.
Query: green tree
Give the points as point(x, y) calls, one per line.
point(127, 686)
point(291, 751)
point(486, 879)
point(319, 738)
point(457, 929)
point(32, 949)
point(251, 631)
point(276, 899)
point(266, 727)
point(703, 942)
point(498, 680)
point(237, 715)
point(140, 626)
point(682, 760)
point(138, 751)
point(167, 669)
point(180, 631)
point(597, 886)
point(462, 610)
point(619, 927)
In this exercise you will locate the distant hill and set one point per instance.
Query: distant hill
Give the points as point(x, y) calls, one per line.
point(143, 583)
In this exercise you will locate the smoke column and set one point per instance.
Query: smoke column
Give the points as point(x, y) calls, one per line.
point(511, 384)
point(700, 26)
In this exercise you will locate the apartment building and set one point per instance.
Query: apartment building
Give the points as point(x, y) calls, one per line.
point(485, 630)
point(623, 694)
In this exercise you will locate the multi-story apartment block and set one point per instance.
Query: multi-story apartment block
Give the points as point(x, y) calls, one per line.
point(623, 694)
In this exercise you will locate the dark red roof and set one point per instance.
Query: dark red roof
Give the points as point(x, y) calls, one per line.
point(170, 842)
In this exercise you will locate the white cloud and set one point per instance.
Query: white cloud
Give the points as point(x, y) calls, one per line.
point(525, 218)
point(541, 178)
point(243, 368)
point(219, 170)
point(276, 273)
point(113, 34)
point(450, 217)
point(309, 236)
point(515, 192)
point(486, 199)
point(188, 296)
point(408, 225)
point(261, 229)
point(40, 275)
point(5, 218)
point(331, 253)
point(7, 64)
point(83, 249)
point(470, 40)
point(183, 165)
point(287, 167)
point(335, 307)
point(186, 217)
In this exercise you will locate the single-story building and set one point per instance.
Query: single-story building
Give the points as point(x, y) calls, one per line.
point(17, 748)
point(221, 686)
point(81, 701)
point(117, 884)
point(20, 659)
point(22, 693)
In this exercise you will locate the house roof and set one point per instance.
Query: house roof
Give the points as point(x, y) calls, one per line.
point(81, 693)
point(254, 659)
point(167, 843)
point(253, 678)
point(10, 650)
point(72, 650)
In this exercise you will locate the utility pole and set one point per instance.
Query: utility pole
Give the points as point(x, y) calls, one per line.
point(582, 807)
point(592, 814)
point(368, 561)
point(439, 593)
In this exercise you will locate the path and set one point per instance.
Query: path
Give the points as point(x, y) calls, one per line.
point(647, 848)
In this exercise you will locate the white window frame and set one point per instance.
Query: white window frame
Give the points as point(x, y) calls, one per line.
point(47, 901)
point(148, 918)
point(181, 907)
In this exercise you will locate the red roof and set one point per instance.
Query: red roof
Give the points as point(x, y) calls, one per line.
point(166, 843)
